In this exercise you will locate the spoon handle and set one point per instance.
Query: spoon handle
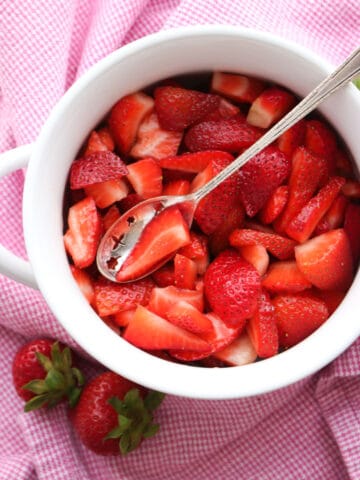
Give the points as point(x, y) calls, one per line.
point(339, 77)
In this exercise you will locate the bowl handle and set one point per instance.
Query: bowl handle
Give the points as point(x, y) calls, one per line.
point(11, 265)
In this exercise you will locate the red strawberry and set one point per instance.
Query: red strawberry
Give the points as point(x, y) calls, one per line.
point(351, 189)
point(192, 162)
point(343, 164)
point(130, 201)
point(152, 332)
point(257, 256)
point(124, 317)
point(352, 229)
point(197, 250)
point(262, 328)
point(285, 277)
point(165, 276)
point(178, 108)
point(99, 141)
point(125, 118)
point(177, 187)
point(154, 141)
point(326, 260)
point(240, 352)
point(297, 316)
point(272, 104)
point(83, 235)
point(185, 272)
point(237, 87)
point(320, 140)
point(160, 239)
point(219, 240)
point(275, 204)
point(281, 247)
point(225, 110)
point(334, 217)
point(107, 193)
point(43, 374)
point(230, 135)
point(292, 138)
point(332, 298)
point(110, 217)
point(232, 287)
point(114, 414)
point(84, 282)
point(111, 297)
point(146, 178)
point(186, 316)
point(304, 223)
point(261, 176)
point(162, 299)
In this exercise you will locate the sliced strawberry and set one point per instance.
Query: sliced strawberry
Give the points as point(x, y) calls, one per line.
point(240, 352)
point(219, 240)
point(307, 170)
point(124, 317)
point(161, 237)
point(151, 332)
point(125, 118)
point(352, 229)
point(146, 178)
point(297, 316)
point(192, 162)
point(272, 104)
point(83, 235)
point(178, 108)
point(99, 141)
point(111, 298)
point(326, 260)
point(224, 110)
point(177, 187)
point(285, 277)
point(292, 138)
point(281, 247)
point(185, 272)
point(110, 217)
point(95, 168)
point(351, 189)
point(130, 201)
point(320, 140)
point(84, 282)
point(107, 193)
point(162, 299)
point(106, 138)
point(261, 176)
point(232, 287)
point(262, 328)
point(230, 135)
point(334, 217)
point(275, 205)
point(256, 255)
point(197, 250)
point(237, 87)
point(186, 316)
point(165, 276)
point(344, 166)
point(304, 223)
point(332, 298)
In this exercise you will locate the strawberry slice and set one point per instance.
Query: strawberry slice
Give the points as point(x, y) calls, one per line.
point(352, 229)
point(275, 205)
point(262, 328)
point(95, 168)
point(225, 110)
point(257, 256)
point(237, 87)
point(186, 316)
point(292, 138)
point(232, 287)
point(125, 118)
point(185, 272)
point(111, 298)
point(261, 176)
point(162, 299)
point(84, 282)
point(146, 178)
point(272, 104)
point(320, 140)
point(124, 317)
point(177, 187)
point(178, 108)
point(197, 251)
point(192, 162)
point(161, 238)
point(219, 240)
point(107, 193)
point(230, 135)
point(285, 277)
point(151, 332)
point(332, 298)
point(110, 217)
point(297, 316)
point(344, 166)
point(130, 201)
point(351, 189)
point(334, 217)
point(99, 141)
point(240, 352)
point(281, 247)
point(154, 141)
point(304, 223)
point(165, 276)
point(326, 260)
point(83, 235)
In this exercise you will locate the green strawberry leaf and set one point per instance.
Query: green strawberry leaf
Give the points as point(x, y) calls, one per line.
point(44, 361)
point(36, 386)
point(36, 402)
point(153, 400)
point(55, 380)
point(56, 356)
point(124, 443)
point(151, 430)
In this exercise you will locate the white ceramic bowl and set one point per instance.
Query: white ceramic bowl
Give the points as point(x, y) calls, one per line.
point(129, 69)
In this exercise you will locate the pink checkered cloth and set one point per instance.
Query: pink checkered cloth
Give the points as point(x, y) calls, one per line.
point(306, 431)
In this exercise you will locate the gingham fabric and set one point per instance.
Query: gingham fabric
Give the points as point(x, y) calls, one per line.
point(310, 430)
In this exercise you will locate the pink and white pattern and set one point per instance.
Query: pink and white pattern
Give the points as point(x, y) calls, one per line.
point(308, 430)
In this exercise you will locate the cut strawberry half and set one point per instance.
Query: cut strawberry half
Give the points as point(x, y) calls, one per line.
point(161, 238)
point(304, 223)
point(186, 316)
point(99, 141)
point(230, 135)
point(84, 282)
point(272, 104)
point(237, 87)
point(162, 299)
point(219, 240)
point(185, 272)
point(240, 352)
point(130, 201)
point(320, 140)
point(262, 328)
point(332, 298)
point(275, 205)
point(343, 164)
point(107, 193)
point(152, 332)
point(256, 255)
point(178, 108)
point(124, 317)
point(261, 176)
point(165, 276)
point(111, 298)
point(225, 110)
point(177, 187)
point(197, 251)
point(285, 277)
point(297, 316)
point(281, 247)
point(145, 177)
point(326, 260)
point(351, 189)
point(125, 118)
point(83, 235)
point(292, 138)
point(352, 229)
point(192, 162)
point(334, 217)
point(110, 217)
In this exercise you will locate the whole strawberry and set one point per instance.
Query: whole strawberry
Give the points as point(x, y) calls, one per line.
point(114, 414)
point(43, 374)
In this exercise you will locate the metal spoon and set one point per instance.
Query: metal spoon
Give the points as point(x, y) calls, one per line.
point(121, 238)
